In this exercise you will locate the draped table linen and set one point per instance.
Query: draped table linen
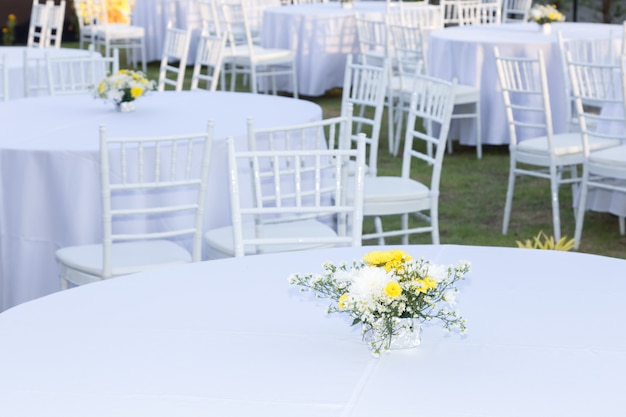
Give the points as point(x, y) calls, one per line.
point(230, 338)
point(467, 54)
point(321, 35)
point(50, 170)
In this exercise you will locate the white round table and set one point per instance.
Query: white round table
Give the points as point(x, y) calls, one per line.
point(467, 54)
point(50, 170)
point(321, 35)
point(230, 338)
point(153, 16)
point(15, 63)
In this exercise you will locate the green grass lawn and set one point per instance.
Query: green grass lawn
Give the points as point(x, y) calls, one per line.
point(473, 192)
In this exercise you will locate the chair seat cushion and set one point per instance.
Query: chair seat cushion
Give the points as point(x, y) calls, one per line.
point(465, 94)
point(382, 189)
point(127, 258)
point(222, 239)
point(120, 31)
point(394, 195)
point(614, 157)
point(564, 144)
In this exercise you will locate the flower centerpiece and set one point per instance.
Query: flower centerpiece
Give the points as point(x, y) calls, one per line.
point(544, 14)
point(390, 295)
point(346, 4)
point(124, 87)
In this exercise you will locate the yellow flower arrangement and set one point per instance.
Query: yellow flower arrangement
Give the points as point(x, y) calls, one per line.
point(543, 14)
point(124, 86)
point(385, 287)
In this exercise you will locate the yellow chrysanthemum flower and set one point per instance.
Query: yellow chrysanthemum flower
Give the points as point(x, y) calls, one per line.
point(342, 301)
point(11, 16)
point(393, 289)
point(136, 92)
point(392, 259)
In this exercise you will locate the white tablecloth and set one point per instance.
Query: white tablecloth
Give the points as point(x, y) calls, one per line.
point(153, 16)
point(15, 63)
point(467, 54)
point(321, 35)
point(230, 338)
point(49, 168)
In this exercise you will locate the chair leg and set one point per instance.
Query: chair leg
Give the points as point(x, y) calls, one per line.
point(434, 223)
point(509, 198)
point(378, 224)
point(390, 130)
point(582, 207)
point(554, 196)
point(622, 225)
point(294, 79)
point(479, 141)
point(404, 224)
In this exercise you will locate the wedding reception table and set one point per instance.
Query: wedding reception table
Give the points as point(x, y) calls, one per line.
point(467, 54)
point(321, 35)
point(231, 338)
point(50, 175)
point(37, 66)
point(153, 16)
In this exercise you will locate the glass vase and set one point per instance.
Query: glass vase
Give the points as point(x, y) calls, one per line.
point(346, 4)
point(546, 28)
point(125, 106)
point(407, 334)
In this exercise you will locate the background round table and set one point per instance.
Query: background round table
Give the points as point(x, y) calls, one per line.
point(467, 54)
point(50, 168)
point(230, 338)
point(321, 35)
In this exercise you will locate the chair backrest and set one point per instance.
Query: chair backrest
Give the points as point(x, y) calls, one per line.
point(409, 45)
point(136, 175)
point(54, 28)
point(4, 78)
point(35, 74)
point(237, 28)
point(174, 58)
point(479, 13)
point(407, 14)
point(597, 94)
point(210, 12)
point(292, 179)
point(524, 87)
point(428, 123)
point(592, 50)
point(372, 37)
point(84, 16)
point(364, 88)
point(78, 74)
point(208, 63)
point(38, 23)
point(515, 10)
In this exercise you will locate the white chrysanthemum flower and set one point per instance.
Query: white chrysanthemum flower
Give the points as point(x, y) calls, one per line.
point(370, 282)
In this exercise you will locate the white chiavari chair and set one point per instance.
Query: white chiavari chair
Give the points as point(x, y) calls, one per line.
point(136, 174)
point(54, 28)
point(599, 98)
point(515, 10)
point(208, 63)
point(305, 195)
point(431, 106)
point(524, 85)
point(174, 58)
point(38, 23)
